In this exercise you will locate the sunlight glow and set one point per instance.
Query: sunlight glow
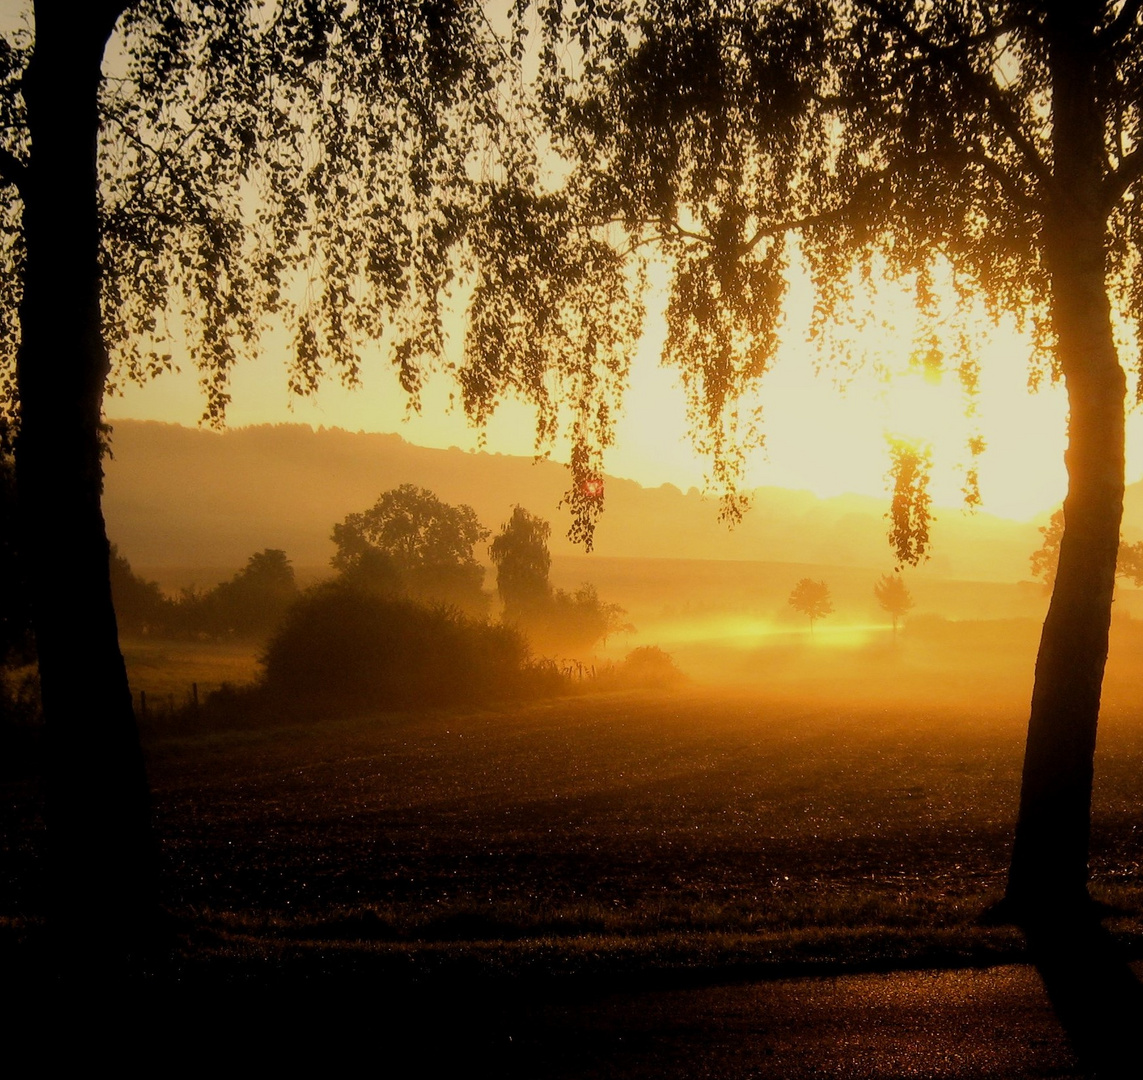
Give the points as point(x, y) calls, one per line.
point(819, 436)
point(749, 632)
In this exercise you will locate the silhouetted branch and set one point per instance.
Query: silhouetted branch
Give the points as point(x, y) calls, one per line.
point(1121, 25)
point(1120, 179)
point(953, 59)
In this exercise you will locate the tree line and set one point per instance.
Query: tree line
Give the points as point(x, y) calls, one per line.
point(405, 620)
point(812, 599)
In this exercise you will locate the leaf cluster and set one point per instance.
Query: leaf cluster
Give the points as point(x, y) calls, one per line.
point(811, 598)
point(411, 542)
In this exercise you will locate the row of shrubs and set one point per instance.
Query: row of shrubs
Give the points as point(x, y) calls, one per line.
point(340, 651)
point(338, 647)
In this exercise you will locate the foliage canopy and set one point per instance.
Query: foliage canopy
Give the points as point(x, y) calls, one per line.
point(812, 599)
point(412, 541)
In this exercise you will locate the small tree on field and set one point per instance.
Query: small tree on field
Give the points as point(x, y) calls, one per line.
point(257, 597)
point(893, 597)
point(812, 599)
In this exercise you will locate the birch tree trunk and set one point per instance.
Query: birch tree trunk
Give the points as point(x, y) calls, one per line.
point(1050, 856)
point(102, 873)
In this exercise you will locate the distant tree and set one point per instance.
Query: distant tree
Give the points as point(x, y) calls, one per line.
point(251, 604)
point(1129, 562)
point(140, 606)
point(812, 599)
point(373, 572)
point(1045, 559)
point(893, 597)
point(520, 554)
point(256, 598)
point(427, 542)
point(577, 621)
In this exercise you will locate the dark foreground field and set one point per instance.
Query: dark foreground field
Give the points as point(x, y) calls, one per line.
point(605, 832)
point(508, 859)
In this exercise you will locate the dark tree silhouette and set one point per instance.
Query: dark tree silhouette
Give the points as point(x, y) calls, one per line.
point(893, 597)
point(997, 145)
point(555, 619)
point(250, 604)
point(140, 606)
point(812, 599)
point(1045, 559)
point(522, 560)
point(578, 620)
point(339, 648)
point(428, 543)
point(127, 222)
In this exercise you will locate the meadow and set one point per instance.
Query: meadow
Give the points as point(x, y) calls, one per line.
point(820, 807)
point(823, 807)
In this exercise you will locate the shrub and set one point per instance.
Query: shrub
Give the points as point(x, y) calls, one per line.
point(349, 649)
point(649, 666)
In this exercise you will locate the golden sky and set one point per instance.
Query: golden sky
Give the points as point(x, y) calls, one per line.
point(818, 437)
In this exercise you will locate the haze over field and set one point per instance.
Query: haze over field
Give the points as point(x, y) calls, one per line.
point(189, 497)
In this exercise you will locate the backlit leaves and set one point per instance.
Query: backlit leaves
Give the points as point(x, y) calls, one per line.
point(909, 512)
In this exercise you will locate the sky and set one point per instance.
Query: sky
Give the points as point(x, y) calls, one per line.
point(819, 437)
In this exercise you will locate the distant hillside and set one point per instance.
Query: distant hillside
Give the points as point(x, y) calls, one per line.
point(189, 497)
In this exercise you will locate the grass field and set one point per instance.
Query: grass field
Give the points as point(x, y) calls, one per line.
point(624, 831)
point(838, 809)
point(166, 671)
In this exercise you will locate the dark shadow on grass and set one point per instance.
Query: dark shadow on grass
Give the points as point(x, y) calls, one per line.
point(1095, 994)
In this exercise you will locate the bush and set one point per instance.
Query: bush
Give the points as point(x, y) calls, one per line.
point(344, 648)
point(649, 667)
point(572, 623)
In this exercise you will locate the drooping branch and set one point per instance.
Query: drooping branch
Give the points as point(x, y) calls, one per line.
point(985, 90)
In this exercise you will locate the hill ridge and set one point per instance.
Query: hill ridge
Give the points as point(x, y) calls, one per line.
point(192, 496)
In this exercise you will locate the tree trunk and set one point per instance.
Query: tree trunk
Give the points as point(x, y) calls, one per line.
point(1050, 855)
point(101, 865)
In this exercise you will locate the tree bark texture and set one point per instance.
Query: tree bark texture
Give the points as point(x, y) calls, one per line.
point(101, 864)
point(1050, 855)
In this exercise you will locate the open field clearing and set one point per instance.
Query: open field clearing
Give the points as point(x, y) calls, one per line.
point(166, 670)
point(620, 832)
point(839, 808)
point(626, 884)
